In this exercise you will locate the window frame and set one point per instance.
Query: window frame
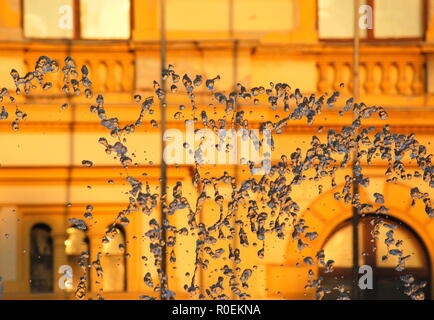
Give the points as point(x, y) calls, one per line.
point(370, 37)
point(384, 272)
point(76, 32)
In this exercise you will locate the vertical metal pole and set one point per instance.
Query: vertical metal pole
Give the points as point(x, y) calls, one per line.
point(1, 288)
point(69, 180)
point(163, 166)
point(231, 19)
point(356, 94)
point(235, 45)
point(68, 191)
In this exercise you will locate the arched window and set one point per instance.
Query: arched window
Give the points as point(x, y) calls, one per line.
point(386, 279)
point(76, 244)
point(41, 259)
point(114, 261)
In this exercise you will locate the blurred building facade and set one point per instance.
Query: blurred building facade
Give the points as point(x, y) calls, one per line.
point(305, 43)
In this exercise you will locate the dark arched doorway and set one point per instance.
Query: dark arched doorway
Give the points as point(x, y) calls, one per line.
point(387, 284)
point(41, 258)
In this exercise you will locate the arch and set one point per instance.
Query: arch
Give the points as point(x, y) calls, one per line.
point(376, 255)
point(325, 214)
point(41, 258)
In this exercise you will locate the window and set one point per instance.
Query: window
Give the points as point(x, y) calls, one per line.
point(386, 278)
point(105, 19)
point(41, 259)
point(263, 16)
point(336, 19)
point(76, 244)
point(48, 19)
point(77, 19)
point(240, 16)
point(218, 21)
point(390, 14)
point(114, 261)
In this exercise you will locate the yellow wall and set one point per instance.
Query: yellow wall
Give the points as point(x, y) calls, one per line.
point(40, 167)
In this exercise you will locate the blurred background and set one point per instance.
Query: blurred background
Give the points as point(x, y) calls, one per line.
point(309, 44)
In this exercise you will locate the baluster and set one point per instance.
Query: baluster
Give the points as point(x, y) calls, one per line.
point(103, 75)
point(89, 66)
point(118, 76)
point(369, 84)
point(123, 72)
point(96, 75)
point(323, 84)
point(417, 84)
point(402, 83)
point(110, 81)
point(349, 83)
point(386, 82)
point(58, 85)
point(129, 75)
point(338, 71)
point(26, 67)
point(124, 63)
